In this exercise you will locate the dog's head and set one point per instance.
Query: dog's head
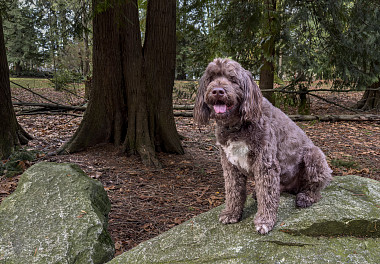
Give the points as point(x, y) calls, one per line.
point(227, 91)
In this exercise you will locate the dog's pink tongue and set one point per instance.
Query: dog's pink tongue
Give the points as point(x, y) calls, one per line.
point(220, 109)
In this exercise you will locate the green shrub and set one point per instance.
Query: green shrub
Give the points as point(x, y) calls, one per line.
point(348, 164)
point(63, 78)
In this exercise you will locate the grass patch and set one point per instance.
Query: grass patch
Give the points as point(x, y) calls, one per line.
point(31, 83)
point(348, 164)
point(39, 83)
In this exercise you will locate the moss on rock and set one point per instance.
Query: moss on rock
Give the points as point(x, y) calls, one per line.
point(56, 215)
point(341, 228)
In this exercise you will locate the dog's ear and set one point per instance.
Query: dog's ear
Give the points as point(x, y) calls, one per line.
point(252, 97)
point(201, 110)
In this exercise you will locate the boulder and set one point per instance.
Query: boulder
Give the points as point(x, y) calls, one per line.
point(56, 215)
point(344, 227)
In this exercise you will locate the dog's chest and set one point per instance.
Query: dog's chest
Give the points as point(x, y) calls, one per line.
point(237, 153)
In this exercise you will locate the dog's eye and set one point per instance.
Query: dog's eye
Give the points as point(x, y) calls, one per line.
point(234, 80)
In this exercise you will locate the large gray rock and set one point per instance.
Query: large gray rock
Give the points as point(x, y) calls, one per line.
point(56, 215)
point(344, 227)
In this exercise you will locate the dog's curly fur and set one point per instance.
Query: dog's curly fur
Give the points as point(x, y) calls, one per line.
point(256, 138)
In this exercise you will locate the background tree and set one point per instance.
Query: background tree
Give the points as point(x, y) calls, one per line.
point(353, 37)
point(300, 40)
point(131, 97)
point(84, 13)
point(335, 41)
point(198, 39)
point(11, 133)
point(251, 40)
point(21, 37)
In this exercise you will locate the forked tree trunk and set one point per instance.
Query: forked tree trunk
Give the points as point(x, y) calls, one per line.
point(130, 103)
point(138, 138)
point(11, 133)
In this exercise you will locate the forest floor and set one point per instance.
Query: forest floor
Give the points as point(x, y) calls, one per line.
point(145, 201)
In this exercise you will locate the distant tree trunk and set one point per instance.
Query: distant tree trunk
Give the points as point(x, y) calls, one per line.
point(371, 98)
point(11, 133)
point(87, 87)
point(130, 102)
point(268, 49)
point(304, 104)
point(267, 79)
point(18, 68)
point(86, 55)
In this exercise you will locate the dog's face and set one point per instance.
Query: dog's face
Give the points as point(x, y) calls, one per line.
point(227, 92)
point(223, 97)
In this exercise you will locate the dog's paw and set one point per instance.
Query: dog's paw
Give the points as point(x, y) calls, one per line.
point(262, 225)
point(262, 229)
point(303, 200)
point(228, 217)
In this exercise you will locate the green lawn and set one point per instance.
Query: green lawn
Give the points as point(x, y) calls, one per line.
point(38, 83)
point(31, 82)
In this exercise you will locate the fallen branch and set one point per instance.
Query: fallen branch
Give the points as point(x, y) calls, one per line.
point(47, 113)
point(283, 90)
point(184, 114)
point(324, 118)
point(336, 104)
point(336, 118)
point(183, 107)
point(51, 106)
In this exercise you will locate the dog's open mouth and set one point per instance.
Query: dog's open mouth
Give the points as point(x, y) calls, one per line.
point(221, 108)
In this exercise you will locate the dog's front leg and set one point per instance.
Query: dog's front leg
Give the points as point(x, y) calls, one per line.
point(267, 187)
point(235, 187)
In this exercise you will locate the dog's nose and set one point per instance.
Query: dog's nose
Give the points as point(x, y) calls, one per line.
point(218, 92)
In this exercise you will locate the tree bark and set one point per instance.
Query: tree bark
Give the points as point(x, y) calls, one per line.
point(371, 98)
point(102, 119)
point(130, 101)
point(268, 49)
point(267, 79)
point(11, 133)
point(160, 56)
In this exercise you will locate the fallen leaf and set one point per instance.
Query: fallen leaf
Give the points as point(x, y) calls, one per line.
point(113, 187)
point(118, 245)
point(178, 220)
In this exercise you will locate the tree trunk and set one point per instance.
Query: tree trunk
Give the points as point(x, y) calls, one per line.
point(86, 55)
point(18, 68)
point(102, 120)
point(267, 79)
point(130, 102)
point(160, 56)
point(371, 98)
point(139, 134)
point(11, 133)
point(268, 50)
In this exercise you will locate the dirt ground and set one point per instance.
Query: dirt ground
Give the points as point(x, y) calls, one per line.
point(146, 202)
